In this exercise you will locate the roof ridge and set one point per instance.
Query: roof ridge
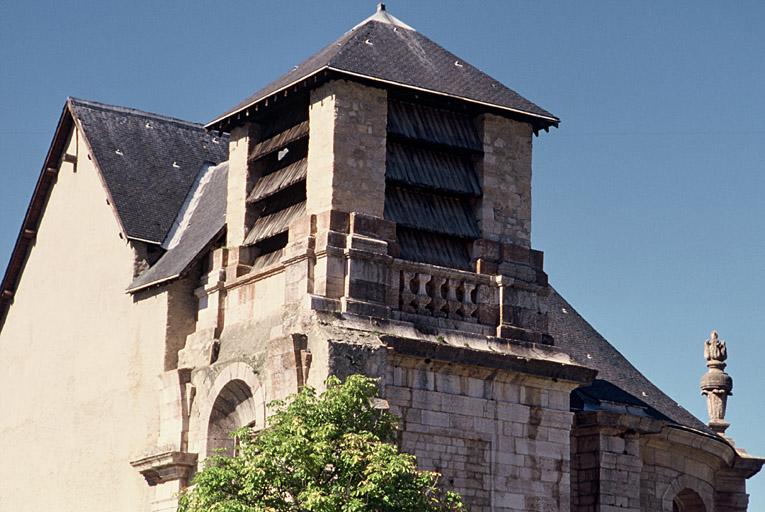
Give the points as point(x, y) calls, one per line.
point(133, 111)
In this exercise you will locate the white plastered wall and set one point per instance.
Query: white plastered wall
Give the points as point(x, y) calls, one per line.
point(79, 361)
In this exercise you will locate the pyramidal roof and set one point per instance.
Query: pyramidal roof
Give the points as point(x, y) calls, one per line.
point(384, 49)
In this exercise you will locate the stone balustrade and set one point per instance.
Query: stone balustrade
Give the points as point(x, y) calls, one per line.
point(447, 294)
point(350, 263)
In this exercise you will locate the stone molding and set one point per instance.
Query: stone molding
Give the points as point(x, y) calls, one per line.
point(532, 362)
point(703, 489)
point(234, 371)
point(166, 467)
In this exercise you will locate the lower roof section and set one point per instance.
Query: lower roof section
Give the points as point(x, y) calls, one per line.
point(618, 382)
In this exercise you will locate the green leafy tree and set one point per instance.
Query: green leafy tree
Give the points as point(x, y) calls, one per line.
point(328, 452)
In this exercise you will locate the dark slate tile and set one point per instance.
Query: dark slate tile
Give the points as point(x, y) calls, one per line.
point(391, 53)
point(205, 224)
point(618, 380)
point(149, 162)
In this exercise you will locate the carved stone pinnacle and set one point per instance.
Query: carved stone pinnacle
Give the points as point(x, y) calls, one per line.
point(716, 385)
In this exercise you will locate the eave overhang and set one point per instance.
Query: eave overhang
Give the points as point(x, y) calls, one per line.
point(26, 237)
point(226, 122)
point(25, 240)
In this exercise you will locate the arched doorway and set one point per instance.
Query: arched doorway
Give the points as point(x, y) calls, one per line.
point(233, 408)
point(688, 500)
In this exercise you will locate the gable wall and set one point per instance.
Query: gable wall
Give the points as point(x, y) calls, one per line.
point(79, 360)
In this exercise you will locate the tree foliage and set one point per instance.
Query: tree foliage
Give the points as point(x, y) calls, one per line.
point(328, 452)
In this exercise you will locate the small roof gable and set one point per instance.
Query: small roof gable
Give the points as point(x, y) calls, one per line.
point(206, 218)
point(148, 162)
point(618, 382)
point(384, 49)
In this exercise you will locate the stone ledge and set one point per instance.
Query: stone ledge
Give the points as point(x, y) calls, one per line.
point(166, 466)
point(469, 356)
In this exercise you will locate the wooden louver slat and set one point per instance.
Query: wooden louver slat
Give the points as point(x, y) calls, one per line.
point(420, 122)
point(430, 212)
point(270, 184)
point(279, 140)
point(278, 222)
point(430, 169)
point(433, 248)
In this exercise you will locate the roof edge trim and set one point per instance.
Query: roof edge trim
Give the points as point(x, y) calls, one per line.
point(43, 187)
point(724, 443)
point(168, 279)
point(153, 283)
point(218, 119)
point(92, 156)
point(554, 121)
point(144, 240)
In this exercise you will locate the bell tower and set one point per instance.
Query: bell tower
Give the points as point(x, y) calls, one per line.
point(379, 222)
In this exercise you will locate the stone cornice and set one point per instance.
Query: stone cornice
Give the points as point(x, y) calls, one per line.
point(166, 466)
point(531, 364)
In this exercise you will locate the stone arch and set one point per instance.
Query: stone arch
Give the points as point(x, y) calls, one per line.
point(235, 400)
point(688, 500)
point(688, 494)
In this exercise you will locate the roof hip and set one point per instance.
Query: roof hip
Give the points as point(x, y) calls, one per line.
point(385, 50)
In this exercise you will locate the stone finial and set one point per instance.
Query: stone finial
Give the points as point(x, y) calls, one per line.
point(716, 385)
point(715, 349)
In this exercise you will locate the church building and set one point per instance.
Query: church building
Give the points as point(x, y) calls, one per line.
point(368, 212)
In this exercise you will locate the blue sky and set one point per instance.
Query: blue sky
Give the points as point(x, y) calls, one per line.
point(647, 200)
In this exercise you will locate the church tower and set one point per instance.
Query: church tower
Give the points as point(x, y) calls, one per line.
point(378, 221)
point(368, 213)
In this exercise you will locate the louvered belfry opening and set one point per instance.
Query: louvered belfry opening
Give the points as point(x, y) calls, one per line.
point(277, 167)
point(431, 183)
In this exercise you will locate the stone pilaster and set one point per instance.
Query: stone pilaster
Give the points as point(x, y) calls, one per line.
point(169, 469)
point(606, 464)
point(239, 183)
point(368, 266)
point(730, 492)
point(730, 483)
point(346, 148)
point(329, 271)
point(504, 211)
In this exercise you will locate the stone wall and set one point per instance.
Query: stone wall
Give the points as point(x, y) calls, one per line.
point(346, 148)
point(499, 438)
point(239, 183)
point(81, 360)
point(504, 212)
point(606, 464)
point(676, 460)
point(639, 464)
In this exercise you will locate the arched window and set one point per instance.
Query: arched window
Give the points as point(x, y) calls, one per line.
point(688, 501)
point(234, 407)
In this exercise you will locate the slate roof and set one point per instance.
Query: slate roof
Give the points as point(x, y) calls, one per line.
point(206, 222)
point(148, 162)
point(618, 381)
point(385, 50)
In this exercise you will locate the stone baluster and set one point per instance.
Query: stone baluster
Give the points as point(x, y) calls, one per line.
point(407, 296)
point(439, 301)
point(453, 304)
point(468, 306)
point(423, 299)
